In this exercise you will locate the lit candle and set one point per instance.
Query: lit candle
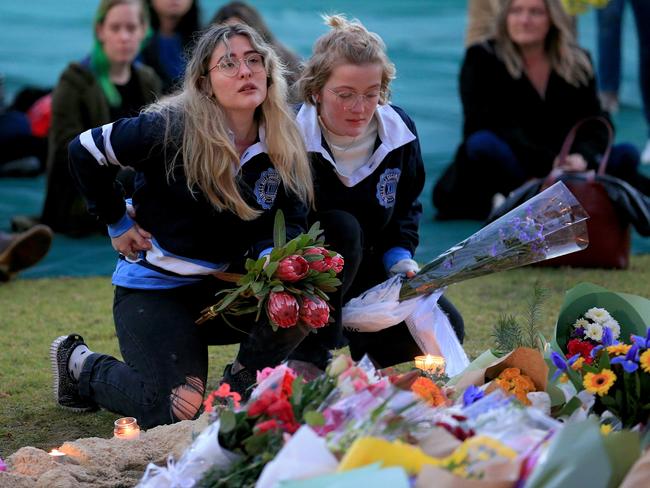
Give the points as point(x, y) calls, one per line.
point(126, 428)
point(57, 456)
point(430, 364)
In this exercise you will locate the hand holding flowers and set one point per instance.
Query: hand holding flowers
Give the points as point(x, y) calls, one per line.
point(290, 284)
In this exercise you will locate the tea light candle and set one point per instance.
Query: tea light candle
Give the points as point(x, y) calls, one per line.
point(126, 428)
point(430, 364)
point(57, 456)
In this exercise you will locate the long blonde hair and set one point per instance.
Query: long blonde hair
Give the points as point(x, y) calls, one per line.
point(210, 160)
point(567, 59)
point(346, 42)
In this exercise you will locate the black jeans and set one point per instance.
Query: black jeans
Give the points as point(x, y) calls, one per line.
point(363, 269)
point(165, 368)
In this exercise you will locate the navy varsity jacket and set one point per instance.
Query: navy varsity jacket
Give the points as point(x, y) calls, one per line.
point(382, 194)
point(190, 237)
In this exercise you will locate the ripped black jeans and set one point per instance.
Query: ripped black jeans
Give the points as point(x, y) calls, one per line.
point(163, 376)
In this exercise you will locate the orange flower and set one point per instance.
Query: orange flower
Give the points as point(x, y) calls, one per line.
point(428, 391)
point(509, 373)
point(513, 382)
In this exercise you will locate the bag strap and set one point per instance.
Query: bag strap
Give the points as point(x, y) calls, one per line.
point(568, 141)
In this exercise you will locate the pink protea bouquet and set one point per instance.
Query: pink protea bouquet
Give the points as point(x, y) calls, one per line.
point(290, 285)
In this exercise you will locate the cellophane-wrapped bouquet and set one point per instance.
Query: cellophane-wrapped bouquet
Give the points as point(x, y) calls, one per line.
point(551, 224)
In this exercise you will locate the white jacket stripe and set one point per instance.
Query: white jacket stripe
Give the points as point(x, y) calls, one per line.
point(88, 142)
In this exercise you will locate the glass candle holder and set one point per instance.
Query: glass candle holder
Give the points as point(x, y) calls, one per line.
point(430, 364)
point(58, 456)
point(126, 428)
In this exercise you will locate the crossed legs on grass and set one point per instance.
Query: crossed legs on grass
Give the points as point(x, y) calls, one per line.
point(164, 373)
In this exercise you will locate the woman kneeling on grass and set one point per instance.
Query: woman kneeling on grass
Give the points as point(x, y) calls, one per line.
point(368, 175)
point(214, 164)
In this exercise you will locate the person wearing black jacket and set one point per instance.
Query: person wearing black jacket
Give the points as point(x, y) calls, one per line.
point(368, 175)
point(522, 92)
point(174, 23)
point(214, 164)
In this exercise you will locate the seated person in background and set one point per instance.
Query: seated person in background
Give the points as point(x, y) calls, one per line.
point(234, 12)
point(219, 159)
point(173, 25)
point(368, 175)
point(522, 92)
point(20, 251)
point(23, 132)
point(105, 86)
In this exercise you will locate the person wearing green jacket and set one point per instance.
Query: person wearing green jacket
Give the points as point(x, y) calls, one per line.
point(105, 86)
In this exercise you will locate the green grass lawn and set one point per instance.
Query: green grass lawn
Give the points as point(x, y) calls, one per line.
point(34, 312)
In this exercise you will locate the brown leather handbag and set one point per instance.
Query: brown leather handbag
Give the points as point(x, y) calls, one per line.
point(609, 235)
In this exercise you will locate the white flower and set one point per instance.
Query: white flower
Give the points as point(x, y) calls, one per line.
point(613, 325)
point(594, 332)
point(598, 315)
point(581, 323)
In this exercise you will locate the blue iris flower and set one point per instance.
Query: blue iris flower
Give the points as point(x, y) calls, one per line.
point(630, 361)
point(562, 365)
point(608, 337)
point(642, 342)
point(472, 394)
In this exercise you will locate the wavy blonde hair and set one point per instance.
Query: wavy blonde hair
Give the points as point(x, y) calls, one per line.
point(210, 160)
point(346, 42)
point(567, 59)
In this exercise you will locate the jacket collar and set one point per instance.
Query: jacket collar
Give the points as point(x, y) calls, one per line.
point(258, 148)
point(392, 132)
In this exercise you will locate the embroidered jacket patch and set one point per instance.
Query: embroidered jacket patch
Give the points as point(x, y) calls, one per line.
point(387, 187)
point(266, 188)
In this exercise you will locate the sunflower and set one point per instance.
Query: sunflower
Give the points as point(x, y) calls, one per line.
point(644, 361)
point(618, 349)
point(599, 383)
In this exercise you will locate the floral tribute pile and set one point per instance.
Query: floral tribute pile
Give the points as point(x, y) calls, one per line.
point(528, 418)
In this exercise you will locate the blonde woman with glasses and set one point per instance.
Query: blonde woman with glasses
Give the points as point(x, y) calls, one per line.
point(368, 175)
point(215, 162)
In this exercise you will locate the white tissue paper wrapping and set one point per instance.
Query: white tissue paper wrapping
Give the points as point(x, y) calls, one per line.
point(380, 308)
point(204, 453)
point(304, 456)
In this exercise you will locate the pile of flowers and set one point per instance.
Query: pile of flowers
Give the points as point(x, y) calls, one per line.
point(290, 285)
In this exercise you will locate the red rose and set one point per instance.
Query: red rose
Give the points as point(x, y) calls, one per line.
point(314, 312)
point(292, 268)
point(576, 346)
point(282, 309)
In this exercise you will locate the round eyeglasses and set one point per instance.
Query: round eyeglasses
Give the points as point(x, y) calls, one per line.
point(230, 66)
point(349, 99)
